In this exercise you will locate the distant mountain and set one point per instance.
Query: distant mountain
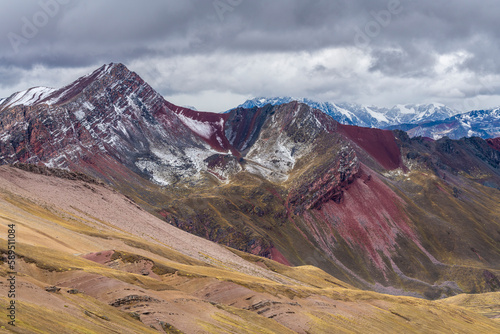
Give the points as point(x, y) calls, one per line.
point(366, 116)
point(419, 113)
point(477, 123)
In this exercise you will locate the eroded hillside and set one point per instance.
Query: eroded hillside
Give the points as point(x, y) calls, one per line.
point(92, 261)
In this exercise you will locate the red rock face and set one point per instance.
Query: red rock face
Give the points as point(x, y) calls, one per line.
point(212, 123)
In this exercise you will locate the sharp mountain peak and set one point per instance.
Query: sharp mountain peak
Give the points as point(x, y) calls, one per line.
point(110, 74)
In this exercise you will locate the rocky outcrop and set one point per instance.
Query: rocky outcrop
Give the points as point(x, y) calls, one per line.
point(133, 299)
point(327, 185)
point(57, 172)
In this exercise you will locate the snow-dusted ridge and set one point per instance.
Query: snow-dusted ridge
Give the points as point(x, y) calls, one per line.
point(112, 113)
point(52, 96)
point(27, 97)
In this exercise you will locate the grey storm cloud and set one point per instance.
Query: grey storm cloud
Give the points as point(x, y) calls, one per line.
point(386, 40)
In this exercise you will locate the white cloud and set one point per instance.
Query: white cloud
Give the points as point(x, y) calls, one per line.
point(209, 100)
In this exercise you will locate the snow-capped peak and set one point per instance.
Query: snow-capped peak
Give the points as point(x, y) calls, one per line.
point(262, 101)
point(379, 116)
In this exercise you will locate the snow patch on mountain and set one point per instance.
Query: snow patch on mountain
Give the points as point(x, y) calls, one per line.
point(79, 114)
point(404, 109)
point(203, 129)
point(89, 105)
point(60, 97)
point(172, 165)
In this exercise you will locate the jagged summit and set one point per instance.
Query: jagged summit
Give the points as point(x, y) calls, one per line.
point(108, 74)
point(110, 112)
point(52, 96)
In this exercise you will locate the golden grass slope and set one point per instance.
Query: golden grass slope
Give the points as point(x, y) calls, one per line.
point(122, 270)
point(487, 304)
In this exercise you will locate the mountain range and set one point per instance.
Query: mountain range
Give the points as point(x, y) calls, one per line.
point(477, 123)
point(433, 120)
point(283, 186)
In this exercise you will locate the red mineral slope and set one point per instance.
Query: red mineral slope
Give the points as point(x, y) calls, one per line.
point(276, 255)
point(370, 218)
point(379, 144)
point(494, 142)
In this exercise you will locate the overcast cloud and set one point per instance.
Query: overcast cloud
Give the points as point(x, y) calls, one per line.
point(214, 54)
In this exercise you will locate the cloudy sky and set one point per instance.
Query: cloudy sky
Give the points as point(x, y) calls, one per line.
point(214, 54)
